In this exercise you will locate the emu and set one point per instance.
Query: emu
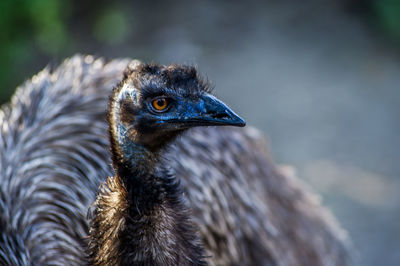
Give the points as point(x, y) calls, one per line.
point(240, 208)
point(140, 216)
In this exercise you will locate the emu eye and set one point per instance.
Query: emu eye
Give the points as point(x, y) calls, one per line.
point(160, 104)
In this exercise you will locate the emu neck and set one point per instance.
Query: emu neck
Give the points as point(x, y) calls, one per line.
point(140, 217)
point(135, 165)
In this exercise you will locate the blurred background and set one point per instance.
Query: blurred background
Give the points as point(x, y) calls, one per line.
point(320, 78)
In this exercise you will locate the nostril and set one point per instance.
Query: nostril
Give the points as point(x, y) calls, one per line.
point(221, 115)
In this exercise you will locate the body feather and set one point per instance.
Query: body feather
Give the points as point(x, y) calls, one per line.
point(55, 153)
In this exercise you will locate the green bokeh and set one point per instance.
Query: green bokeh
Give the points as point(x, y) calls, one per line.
point(28, 27)
point(111, 27)
point(36, 32)
point(388, 17)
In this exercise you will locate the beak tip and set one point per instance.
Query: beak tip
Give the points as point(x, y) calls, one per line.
point(236, 121)
point(241, 123)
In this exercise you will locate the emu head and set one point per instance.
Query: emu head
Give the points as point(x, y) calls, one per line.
point(154, 103)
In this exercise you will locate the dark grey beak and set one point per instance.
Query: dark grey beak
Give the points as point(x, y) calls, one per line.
point(207, 111)
point(216, 112)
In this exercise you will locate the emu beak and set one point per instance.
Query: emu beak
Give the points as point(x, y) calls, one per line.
point(209, 111)
point(217, 112)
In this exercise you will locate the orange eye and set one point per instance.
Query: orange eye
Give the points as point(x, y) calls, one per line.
point(159, 104)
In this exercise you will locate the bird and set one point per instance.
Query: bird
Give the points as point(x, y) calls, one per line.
point(140, 216)
point(239, 206)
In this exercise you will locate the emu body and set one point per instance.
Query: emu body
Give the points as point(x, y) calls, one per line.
point(54, 154)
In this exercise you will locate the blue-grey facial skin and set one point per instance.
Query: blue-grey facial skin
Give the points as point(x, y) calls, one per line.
point(130, 148)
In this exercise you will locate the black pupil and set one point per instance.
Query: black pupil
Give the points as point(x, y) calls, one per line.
point(161, 102)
